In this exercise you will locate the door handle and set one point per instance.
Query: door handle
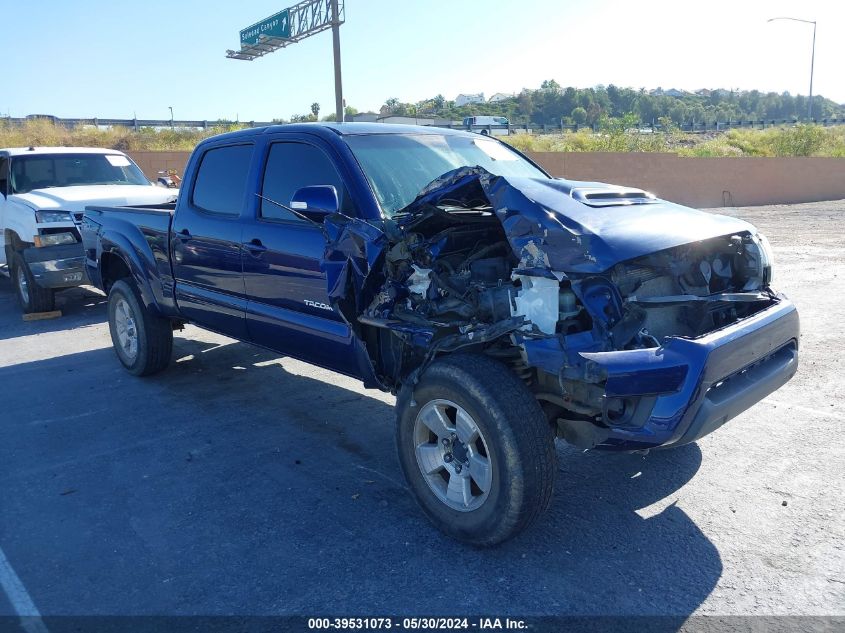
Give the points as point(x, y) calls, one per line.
point(184, 235)
point(255, 246)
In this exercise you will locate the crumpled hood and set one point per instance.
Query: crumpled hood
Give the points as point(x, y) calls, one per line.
point(547, 227)
point(78, 197)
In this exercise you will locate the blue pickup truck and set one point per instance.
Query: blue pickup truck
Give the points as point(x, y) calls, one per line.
point(504, 307)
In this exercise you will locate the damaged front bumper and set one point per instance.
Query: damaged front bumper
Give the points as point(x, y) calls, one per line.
point(60, 266)
point(687, 388)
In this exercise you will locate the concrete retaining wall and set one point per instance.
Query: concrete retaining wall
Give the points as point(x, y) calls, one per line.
point(153, 162)
point(707, 182)
point(697, 182)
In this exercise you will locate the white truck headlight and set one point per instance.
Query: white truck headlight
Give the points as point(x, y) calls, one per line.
point(52, 216)
point(54, 239)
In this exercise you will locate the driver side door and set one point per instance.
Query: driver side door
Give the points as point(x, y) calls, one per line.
point(289, 309)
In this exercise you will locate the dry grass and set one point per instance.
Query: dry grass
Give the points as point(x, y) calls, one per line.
point(46, 133)
point(800, 140)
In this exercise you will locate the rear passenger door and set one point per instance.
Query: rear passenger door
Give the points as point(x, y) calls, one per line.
point(289, 309)
point(206, 240)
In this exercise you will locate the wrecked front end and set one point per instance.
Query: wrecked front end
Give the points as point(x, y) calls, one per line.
point(630, 333)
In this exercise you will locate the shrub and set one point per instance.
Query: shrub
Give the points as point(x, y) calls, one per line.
point(614, 135)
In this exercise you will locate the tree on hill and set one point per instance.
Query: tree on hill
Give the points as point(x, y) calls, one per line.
point(551, 104)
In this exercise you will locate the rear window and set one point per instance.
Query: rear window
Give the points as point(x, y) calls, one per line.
point(221, 180)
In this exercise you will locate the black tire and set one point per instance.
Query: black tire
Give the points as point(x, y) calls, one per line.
point(153, 334)
point(31, 296)
point(516, 436)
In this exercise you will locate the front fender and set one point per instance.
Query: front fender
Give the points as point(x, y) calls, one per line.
point(19, 220)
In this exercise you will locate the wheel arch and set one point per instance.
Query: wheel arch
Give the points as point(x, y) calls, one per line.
point(112, 268)
point(117, 263)
point(12, 241)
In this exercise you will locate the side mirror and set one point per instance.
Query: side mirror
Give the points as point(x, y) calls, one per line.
point(316, 200)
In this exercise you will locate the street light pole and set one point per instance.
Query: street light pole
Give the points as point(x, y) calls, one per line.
point(812, 65)
point(338, 83)
point(812, 60)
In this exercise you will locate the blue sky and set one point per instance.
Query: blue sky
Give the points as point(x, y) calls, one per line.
point(113, 59)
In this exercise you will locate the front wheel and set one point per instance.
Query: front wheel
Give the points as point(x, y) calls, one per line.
point(143, 341)
point(31, 296)
point(476, 449)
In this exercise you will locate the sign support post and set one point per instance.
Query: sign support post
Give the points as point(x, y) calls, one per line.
point(291, 25)
point(338, 80)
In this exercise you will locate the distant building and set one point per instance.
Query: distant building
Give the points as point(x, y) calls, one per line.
point(462, 99)
point(704, 92)
point(364, 117)
point(672, 92)
point(500, 96)
point(413, 120)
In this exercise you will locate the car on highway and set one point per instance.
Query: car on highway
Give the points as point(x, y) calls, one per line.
point(44, 192)
point(487, 125)
point(504, 307)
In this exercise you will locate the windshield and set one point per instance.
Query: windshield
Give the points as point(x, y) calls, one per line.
point(398, 166)
point(41, 171)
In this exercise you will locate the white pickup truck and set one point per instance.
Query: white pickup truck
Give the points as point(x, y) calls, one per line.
point(44, 193)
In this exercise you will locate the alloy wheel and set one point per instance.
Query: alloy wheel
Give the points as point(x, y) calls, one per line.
point(452, 455)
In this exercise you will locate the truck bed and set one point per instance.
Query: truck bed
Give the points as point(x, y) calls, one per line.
point(152, 217)
point(164, 207)
point(147, 231)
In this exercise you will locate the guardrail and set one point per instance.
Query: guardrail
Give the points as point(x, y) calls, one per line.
point(137, 123)
point(513, 128)
point(696, 127)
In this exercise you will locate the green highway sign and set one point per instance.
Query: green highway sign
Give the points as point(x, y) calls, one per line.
point(277, 25)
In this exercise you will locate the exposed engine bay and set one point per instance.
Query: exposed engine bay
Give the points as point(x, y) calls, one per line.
point(476, 264)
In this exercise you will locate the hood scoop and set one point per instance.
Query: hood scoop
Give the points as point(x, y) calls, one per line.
point(611, 196)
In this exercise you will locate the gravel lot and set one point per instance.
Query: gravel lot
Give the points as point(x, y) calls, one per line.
point(241, 483)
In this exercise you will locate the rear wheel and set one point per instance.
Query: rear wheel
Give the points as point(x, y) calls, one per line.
point(475, 448)
point(143, 341)
point(31, 296)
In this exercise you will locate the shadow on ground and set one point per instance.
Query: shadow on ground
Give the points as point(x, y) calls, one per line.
point(79, 306)
point(229, 485)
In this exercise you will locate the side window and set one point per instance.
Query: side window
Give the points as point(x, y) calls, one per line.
point(4, 175)
point(222, 178)
point(291, 166)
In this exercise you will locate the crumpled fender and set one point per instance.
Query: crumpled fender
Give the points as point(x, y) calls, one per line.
point(353, 247)
point(539, 239)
